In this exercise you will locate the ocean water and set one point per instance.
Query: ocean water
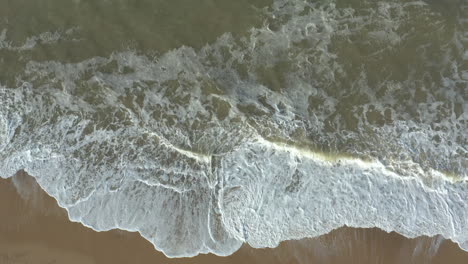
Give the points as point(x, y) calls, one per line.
point(207, 124)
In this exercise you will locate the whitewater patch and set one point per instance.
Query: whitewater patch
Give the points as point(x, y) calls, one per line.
point(45, 38)
point(266, 194)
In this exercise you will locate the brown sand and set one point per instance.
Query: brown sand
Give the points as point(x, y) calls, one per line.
point(33, 229)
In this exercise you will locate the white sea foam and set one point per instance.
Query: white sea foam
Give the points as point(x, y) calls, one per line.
point(45, 38)
point(199, 155)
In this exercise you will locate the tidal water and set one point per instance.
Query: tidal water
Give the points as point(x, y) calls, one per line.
point(207, 124)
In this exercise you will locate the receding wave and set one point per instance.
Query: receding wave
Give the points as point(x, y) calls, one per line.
point(326, 115)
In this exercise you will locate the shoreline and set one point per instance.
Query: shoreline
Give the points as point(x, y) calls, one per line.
point(34, 227)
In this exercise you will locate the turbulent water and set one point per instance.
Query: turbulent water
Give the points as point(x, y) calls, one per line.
point(204, 124)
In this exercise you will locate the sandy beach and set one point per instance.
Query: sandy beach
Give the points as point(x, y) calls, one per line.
point(34, 229)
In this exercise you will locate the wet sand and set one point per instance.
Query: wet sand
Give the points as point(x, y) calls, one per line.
point(33, 229)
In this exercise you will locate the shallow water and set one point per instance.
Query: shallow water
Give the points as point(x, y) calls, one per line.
point(35, 229)
point(206, 125)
